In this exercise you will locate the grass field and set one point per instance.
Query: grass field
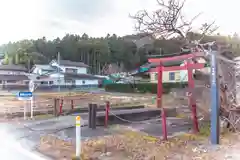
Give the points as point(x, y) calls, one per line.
point(44, 101)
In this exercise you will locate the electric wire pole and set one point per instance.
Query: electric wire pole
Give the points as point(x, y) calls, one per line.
point(58, 61)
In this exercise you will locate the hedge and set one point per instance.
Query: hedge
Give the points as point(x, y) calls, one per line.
point(142, 87)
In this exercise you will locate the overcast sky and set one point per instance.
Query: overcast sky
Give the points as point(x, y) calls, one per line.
point(21, 19)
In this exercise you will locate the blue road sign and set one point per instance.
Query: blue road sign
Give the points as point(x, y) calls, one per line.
point(25, 95)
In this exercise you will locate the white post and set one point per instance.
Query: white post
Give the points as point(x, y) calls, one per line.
point(31, 89)
point(58, 61)
point(25, 110)
point(78, 137)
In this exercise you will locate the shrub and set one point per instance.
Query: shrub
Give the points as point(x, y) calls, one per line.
point(142, 87)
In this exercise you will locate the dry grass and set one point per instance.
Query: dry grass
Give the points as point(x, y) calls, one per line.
point(168, 101)
point(45, 103)
point(84, 98)
point(125, 144)
point(80, 99)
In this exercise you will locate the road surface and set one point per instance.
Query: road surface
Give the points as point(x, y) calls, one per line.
point(11, 149)
point(19, 140)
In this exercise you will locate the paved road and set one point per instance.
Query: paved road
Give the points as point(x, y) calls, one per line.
point(11, 148)
point(8, 152)
point(19, 140)
point(66, 127)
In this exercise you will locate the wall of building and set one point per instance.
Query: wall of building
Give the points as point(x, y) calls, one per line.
point(178, 76)
point(79, 70)
point(87, 82)
point(12, 72)
point(40, 68)
point(170, 76)
point(53, 80)
point(72, 69)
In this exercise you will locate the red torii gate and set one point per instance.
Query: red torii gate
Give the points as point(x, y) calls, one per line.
point(189, 66)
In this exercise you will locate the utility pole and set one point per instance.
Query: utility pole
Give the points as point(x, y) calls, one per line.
point(58, 61)
point(29, 65)
point(214, 99)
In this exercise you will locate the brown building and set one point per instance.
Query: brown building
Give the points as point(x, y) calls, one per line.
point(13, 77)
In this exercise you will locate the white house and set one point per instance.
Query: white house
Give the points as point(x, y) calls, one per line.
point(65, 74)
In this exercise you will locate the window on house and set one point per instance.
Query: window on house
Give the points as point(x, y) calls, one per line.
point(68, 81)
point(73, 82)
point(83, 82)
point(44, 71)
point(71, 70)
point(11, 81)
point(44, 82)
point(13, 73)
point(171, 76)
point(50, 82)
point(177, 76)
point(156, 76)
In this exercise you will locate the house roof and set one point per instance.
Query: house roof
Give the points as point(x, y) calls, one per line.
point(55, 68)
point(168, 55)
point(165, 64)
point(71, 63)
point(50, 69)
point(13, 77)
point(45, 67)
point(13, 68)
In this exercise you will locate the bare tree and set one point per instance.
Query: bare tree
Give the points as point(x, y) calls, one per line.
point(208, 29)
point(168, 20)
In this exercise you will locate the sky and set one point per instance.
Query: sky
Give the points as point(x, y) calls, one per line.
point(32, 19)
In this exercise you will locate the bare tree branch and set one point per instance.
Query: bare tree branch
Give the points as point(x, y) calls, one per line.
point(208, 29)
point(168, 20)
point(164, 21)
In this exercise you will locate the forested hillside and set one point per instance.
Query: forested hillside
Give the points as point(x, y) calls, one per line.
point(124, 52)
